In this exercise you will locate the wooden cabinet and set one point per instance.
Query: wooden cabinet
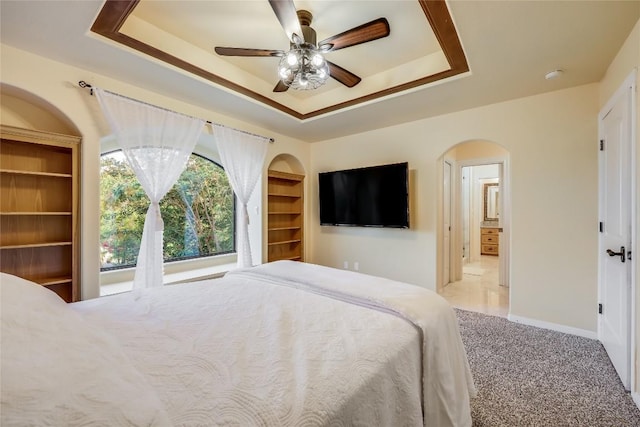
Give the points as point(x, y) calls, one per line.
point(39, 238)
point(285, 216)
point(489, 244)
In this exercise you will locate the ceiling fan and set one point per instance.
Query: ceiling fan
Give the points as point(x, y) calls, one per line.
point(303, 67)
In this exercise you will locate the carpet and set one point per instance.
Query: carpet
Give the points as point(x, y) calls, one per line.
point(528, 376)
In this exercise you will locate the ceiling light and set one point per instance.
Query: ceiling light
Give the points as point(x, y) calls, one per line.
point(553, 74)
point(303, 68)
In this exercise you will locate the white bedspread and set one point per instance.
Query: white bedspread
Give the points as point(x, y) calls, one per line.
point(243, 352)
point(284, 344)
point(447, 384)
point(58, 371)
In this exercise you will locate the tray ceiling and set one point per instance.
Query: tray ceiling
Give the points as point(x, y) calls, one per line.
point(423, 46)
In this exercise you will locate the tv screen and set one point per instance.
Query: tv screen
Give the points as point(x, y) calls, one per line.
point(375, 196)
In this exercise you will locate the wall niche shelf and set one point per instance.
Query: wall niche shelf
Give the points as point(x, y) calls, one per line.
point(39, 221)
point(285, 216)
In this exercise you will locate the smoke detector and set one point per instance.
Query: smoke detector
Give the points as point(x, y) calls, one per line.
point(553, 74)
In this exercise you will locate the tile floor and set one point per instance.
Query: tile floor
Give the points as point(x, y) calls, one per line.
point(479, 290)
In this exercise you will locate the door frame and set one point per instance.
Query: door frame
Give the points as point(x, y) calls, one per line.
point(465, 211)
point(629, 84)
point(505, 220)
point(447, 249)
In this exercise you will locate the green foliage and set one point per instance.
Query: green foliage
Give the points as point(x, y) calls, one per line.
point(198, 212)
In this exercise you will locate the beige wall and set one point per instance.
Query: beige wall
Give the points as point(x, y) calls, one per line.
point(628, 59)
point(553, 163)
point(30, 90)
point(478, 149)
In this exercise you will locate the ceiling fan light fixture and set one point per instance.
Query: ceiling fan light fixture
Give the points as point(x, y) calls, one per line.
point(292, 58)
point(297, 40)
point(303, 68)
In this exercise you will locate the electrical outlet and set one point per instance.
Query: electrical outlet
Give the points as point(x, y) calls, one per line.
point(356, 265)
point(346, 265)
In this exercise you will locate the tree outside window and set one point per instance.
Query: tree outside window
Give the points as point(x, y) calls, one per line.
point(198, 213)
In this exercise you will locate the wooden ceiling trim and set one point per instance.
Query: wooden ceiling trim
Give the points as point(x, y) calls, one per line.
point(112, 17)
point(437, 14)
point(115, 12)
point(390, 91)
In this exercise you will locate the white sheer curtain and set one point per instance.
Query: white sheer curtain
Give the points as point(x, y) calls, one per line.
point(242, 157)
point(157, 144)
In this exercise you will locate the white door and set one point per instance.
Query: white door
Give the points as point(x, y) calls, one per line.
point(615, 232)
point(446, 272)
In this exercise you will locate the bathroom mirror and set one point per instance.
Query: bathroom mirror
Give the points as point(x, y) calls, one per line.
point(491, 202)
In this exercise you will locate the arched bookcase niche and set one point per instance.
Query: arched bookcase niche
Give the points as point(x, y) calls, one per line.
point(285, 209)
point(39, 193)
point(26, 110)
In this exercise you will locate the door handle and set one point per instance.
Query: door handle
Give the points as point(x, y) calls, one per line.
point(621, 254)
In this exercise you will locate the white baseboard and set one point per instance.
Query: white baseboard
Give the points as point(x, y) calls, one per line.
point(636, 398)
point(554, 327)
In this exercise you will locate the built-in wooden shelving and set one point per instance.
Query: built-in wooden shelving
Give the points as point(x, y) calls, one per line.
point(285, 216)
point(39, 183)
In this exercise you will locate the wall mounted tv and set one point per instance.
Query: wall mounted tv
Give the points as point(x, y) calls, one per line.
point(376, 196)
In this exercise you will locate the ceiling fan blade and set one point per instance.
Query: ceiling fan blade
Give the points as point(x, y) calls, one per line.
point(285, 11)
point(373, 30)
point(239, 51)
point(280, 87)
point(345, 77)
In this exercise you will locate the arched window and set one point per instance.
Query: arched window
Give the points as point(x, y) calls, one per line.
point(198, 212)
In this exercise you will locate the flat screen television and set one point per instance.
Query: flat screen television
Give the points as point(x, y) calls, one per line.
point(376, 196)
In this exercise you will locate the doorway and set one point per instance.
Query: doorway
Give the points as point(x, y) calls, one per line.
point(476, 202)
point(481, 217)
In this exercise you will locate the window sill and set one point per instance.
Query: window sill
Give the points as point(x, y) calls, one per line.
point(211, 272)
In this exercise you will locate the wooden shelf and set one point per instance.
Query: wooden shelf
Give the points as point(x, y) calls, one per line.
point(283, 228)
point(284, 242)
point(36, 213)
point(49, 281)
point(39, 199)
point(35, 173)
point(285, 216)
point(285, 176)
point(295, 196)
point(36, 245)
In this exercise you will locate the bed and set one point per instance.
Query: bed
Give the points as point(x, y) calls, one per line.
point(281, 344)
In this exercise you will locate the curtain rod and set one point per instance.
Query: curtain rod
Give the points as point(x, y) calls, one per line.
point(86, 85)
